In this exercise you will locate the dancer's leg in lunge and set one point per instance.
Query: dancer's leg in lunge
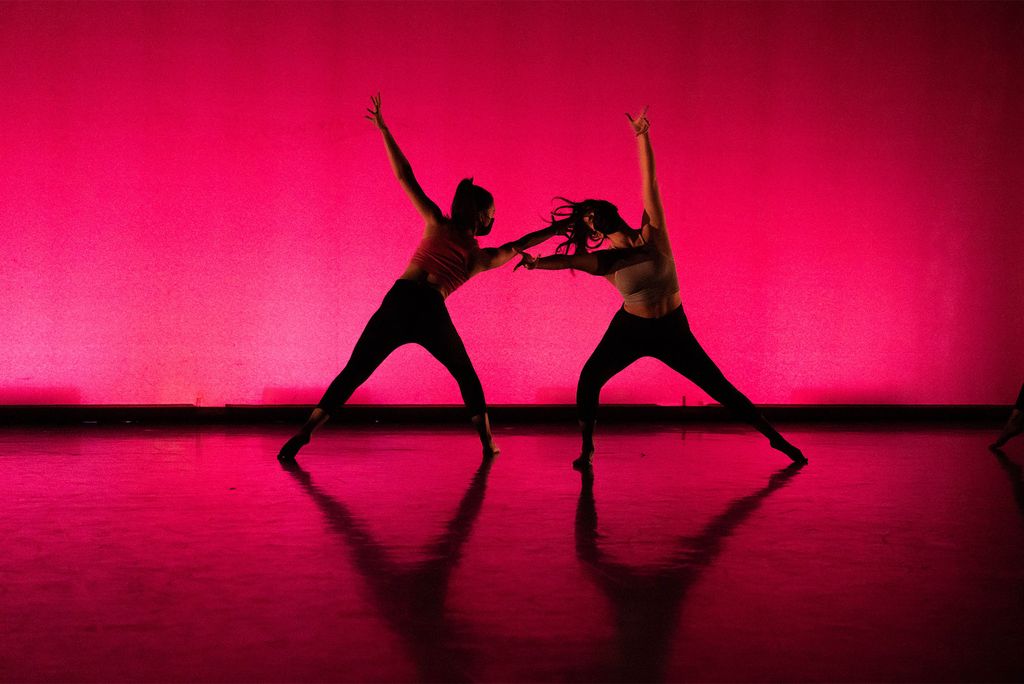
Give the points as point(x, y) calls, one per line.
point(680, 351)
point(616, 350)
point(447, 256)
point(385, 332)
point(1014, 425)
point(442, 340)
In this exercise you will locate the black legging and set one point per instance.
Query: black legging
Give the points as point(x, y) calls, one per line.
point(411, 312)
point(667, 339)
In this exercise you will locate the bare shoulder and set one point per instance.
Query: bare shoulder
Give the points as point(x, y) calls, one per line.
point(648, 222)
point(653, 232)
point(435, 227)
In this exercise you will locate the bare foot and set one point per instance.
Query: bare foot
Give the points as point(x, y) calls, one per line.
point(785, 447)
point(1014, 426)
point(585, 460)
point(491, 450)
point(291, 448)
point(1003, 439)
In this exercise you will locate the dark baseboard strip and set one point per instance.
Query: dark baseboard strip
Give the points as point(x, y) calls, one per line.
point(509, 414)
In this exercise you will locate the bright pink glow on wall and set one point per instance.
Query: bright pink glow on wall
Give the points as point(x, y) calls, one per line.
point(193, 209)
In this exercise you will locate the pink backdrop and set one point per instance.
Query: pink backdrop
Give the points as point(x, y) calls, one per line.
point(193, 210)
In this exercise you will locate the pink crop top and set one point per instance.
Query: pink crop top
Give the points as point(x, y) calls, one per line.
point(446, 259)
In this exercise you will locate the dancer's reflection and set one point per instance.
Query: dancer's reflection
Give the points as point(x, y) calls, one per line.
point(646, 601)
point(411, 596)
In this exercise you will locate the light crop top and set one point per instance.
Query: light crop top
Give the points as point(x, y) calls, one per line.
point(446, 258)
point(649, 282)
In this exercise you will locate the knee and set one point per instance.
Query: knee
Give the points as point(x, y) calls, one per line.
point(588, 391)
point(472, 391)
point(590, 384)
point(584, 389)
point(475, 403)
point(590, 378)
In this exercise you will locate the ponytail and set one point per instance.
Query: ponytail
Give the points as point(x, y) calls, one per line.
point(467, 204)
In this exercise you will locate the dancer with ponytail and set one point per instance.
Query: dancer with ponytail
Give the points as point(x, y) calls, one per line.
point(414, 311)
point(651, 321)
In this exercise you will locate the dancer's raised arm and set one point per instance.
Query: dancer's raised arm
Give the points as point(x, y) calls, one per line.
point(601, 262)
point(655, 214)
point(403, 169)
point(414, 308)
point(493, 257)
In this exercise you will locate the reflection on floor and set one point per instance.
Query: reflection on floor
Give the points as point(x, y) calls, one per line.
point(394, 554)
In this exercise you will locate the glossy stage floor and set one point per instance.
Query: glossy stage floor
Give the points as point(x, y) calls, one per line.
point(393, 554)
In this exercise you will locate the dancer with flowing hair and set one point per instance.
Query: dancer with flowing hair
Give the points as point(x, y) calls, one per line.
point(414, 311)
point(651, 321)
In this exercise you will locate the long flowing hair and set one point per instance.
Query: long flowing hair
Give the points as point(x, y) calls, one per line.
point(567, 219)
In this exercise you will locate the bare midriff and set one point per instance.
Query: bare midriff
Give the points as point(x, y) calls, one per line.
point(418, 274)
point(662, 307)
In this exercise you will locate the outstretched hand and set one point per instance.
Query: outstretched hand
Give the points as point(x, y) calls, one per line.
point(639, 122)
point(374, 114)
point(528, 261)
